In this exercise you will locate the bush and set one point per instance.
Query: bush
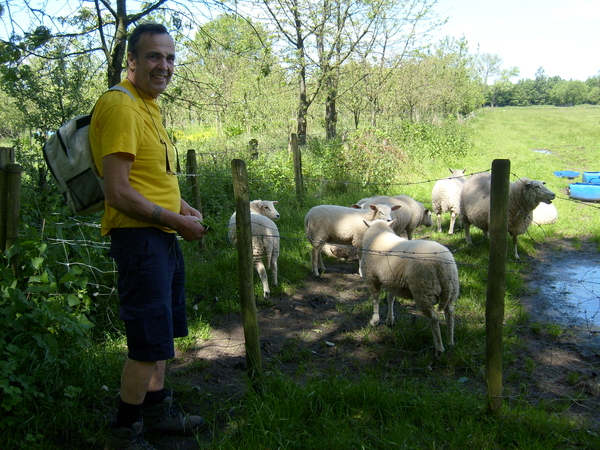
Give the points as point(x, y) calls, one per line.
point(424, 140)
point(44, 330)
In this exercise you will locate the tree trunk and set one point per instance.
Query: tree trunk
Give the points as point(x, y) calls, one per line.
point(331, 115)
point(115, 65)
point(356, 119)
point(303, 101)
point(374, 107)
point(302, 109)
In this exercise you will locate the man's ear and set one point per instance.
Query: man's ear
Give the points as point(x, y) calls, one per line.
point(130, 62)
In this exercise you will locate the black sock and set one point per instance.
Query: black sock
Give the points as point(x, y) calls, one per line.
point(127, 414)
point(155, 397)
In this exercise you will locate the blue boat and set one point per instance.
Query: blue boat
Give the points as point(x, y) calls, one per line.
point(589, 192)
point(591, 177)
point(566, 174)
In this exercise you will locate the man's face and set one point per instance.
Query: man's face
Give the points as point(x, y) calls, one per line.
point(152, 70)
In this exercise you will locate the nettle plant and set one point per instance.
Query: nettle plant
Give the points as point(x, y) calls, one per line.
point(44, 327)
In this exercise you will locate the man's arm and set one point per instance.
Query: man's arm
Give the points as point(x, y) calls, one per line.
point(124, 198)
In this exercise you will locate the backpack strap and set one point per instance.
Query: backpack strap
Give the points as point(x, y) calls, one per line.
point(114, 88)
point(122, 89)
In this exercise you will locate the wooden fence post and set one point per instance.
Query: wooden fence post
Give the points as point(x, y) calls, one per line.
point(192, 173)
point(496, 288)
point(7, 159)
point(191, 170)
point(246, 272)
point(297, 166)
point(13, 202)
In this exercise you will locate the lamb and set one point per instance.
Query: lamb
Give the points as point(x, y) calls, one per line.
point(445, 197)
point(525, 195)
point(265, 239)
point(424, 271)
point(545, 214)
point(409, 216)
point(339, 225)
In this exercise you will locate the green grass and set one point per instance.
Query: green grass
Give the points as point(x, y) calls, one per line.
point(396, 412)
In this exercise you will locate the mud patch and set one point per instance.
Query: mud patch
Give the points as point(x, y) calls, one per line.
point(563, 288)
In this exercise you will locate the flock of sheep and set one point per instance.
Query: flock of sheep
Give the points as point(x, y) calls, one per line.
point(422, 270)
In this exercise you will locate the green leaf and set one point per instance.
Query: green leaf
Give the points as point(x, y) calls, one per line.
point(37, 262)
point(73, 300)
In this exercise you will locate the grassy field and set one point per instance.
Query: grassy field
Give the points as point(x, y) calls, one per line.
point(389, 402)
point(414, 410)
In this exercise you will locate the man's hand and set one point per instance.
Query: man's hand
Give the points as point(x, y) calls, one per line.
point(190, 229)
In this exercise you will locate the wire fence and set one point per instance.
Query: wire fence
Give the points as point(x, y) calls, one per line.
point(83, 252)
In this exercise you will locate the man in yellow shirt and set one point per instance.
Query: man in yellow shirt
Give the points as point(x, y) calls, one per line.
point(143, 212)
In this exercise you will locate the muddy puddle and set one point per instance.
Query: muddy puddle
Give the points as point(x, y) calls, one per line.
point(564, 289)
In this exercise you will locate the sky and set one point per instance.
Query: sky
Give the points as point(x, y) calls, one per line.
point(562, 36)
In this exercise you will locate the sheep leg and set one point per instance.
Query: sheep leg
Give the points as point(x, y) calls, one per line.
point(429, 312)
point(274, 268)
point(439, 222)
point(316, 259)
point(360, 272)
point(452, 220)
point(449, 314)
point(514, 239)
point(375, 290)
point(468, 233)
point(390, 319)
point(320, 261)
point(262, 273)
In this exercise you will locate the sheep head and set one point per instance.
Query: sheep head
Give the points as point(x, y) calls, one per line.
point(389, 224)
point(265, 208)
point(541, 192)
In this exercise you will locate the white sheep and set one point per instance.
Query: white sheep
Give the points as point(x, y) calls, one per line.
point(335, 224)
point(524, 196)
point(408, 217)
point(445, 197)
point(424, 271)
point(265, 239)
point(545, 214)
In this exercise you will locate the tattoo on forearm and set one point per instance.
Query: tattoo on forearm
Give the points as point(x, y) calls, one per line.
point(156, 213)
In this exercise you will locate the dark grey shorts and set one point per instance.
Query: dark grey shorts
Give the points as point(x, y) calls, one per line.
point(151, 290)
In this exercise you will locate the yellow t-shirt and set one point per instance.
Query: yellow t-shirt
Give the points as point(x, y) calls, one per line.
point(120, 124)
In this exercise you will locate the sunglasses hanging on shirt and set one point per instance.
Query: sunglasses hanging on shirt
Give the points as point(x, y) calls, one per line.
point(168, 168)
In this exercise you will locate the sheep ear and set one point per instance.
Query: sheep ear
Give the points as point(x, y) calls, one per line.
point(366, 223)
point(373, 207)
point(395, 207)
point(355, 206)
point(275, 202)
point(391, 223)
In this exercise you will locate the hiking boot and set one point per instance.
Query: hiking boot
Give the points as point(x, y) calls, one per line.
point(127, 439)
point(165, 417)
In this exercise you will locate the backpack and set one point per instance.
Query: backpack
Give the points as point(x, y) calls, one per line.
point(68, 155)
